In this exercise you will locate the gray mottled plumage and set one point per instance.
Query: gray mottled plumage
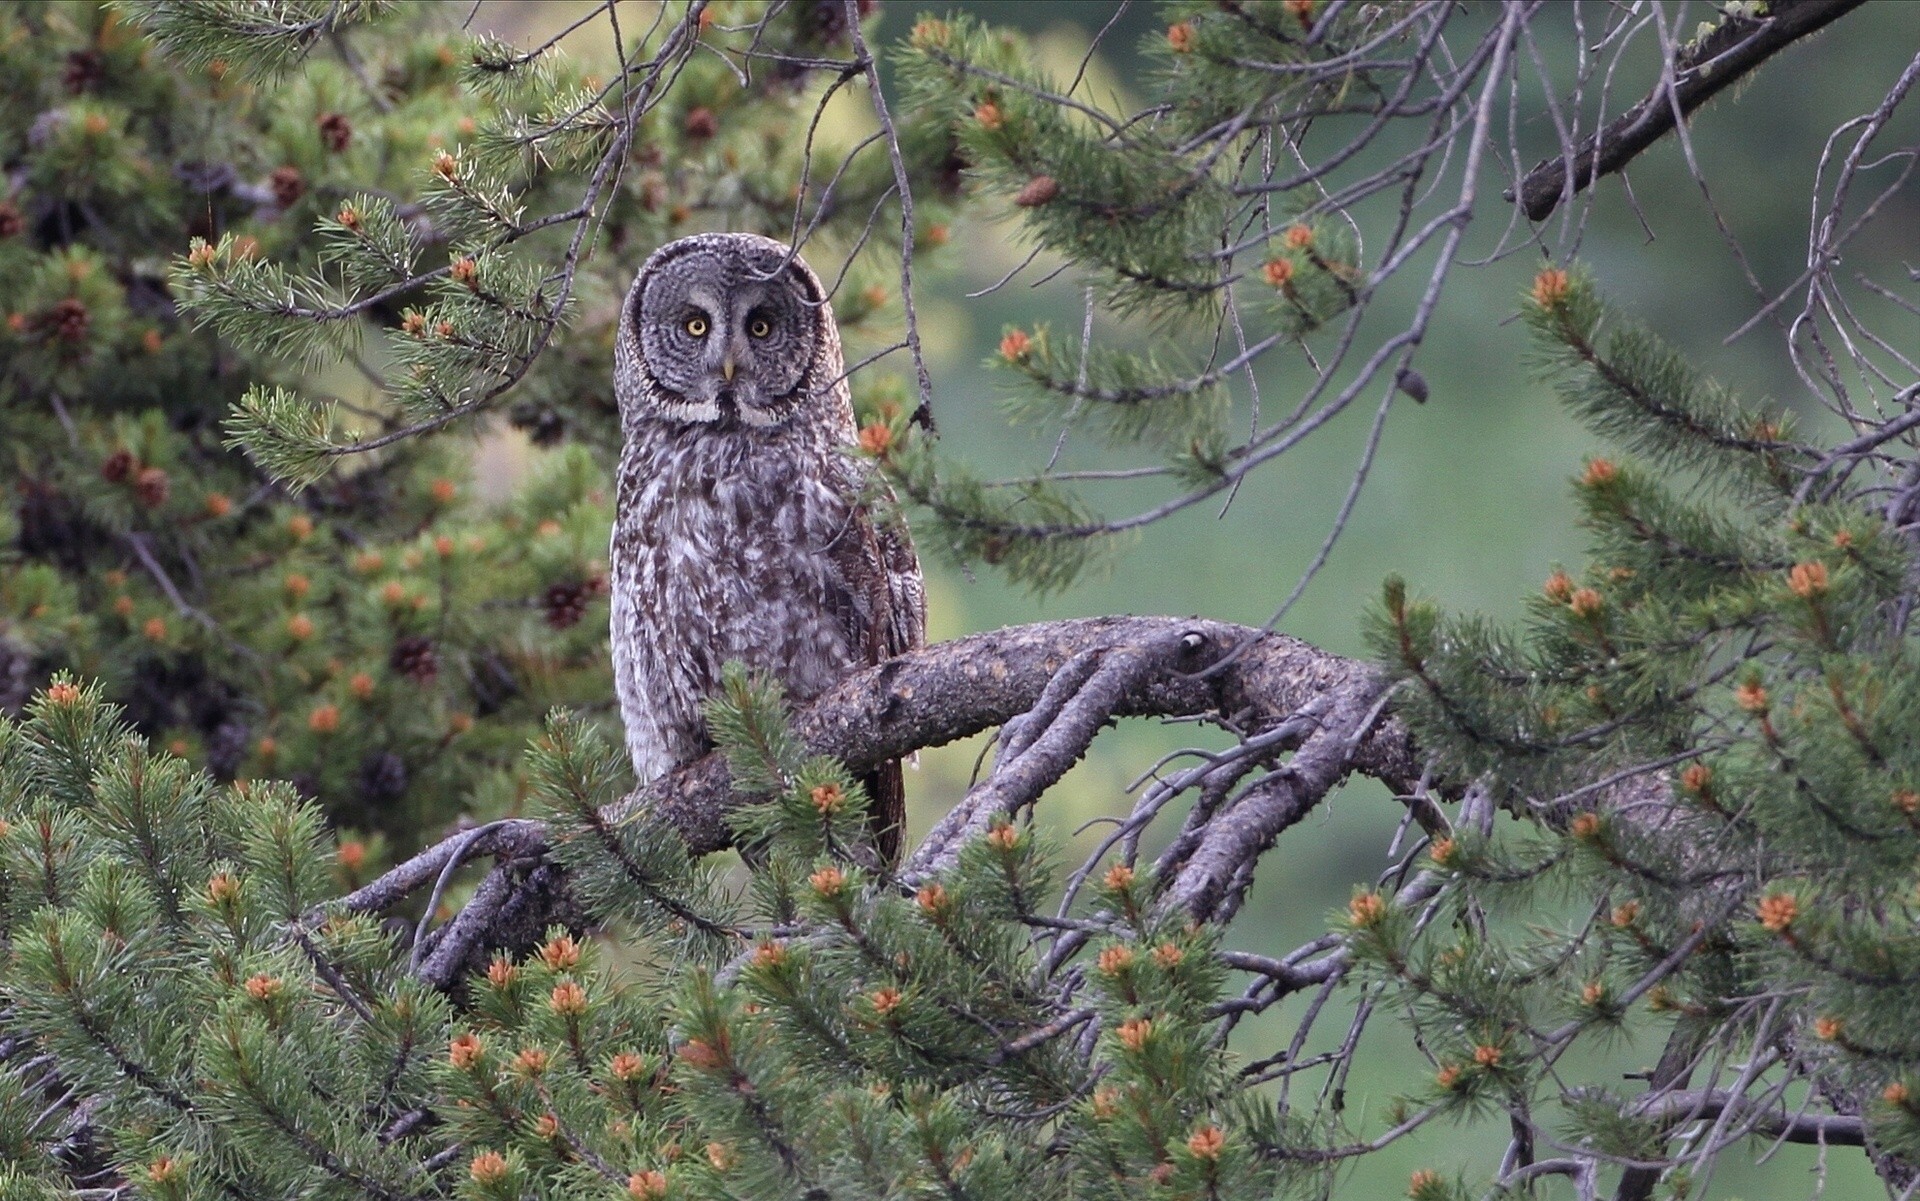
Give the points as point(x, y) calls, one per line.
point(739, 531)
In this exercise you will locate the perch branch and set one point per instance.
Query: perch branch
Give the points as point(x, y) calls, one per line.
point(512, 838)
point(1042, 745)
point(1212, 876)
point(960, 688)
point(1058, 682)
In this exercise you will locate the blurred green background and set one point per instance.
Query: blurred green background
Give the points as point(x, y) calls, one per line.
point(1469, 496)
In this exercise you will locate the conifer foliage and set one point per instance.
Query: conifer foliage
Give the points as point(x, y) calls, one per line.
point(181, 956)
point(349, 637)
point(261, 637)
point(1703, 738)
point(249, 254)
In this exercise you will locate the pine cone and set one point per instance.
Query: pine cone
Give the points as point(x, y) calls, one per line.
point(151, 486)
point(84, 71)
point(117, 467)
point(1040, 190)
point(335, 131)
point(565, 604)
point(288, 186)
point(12, 220)
point(414, 658)
point(67, 320)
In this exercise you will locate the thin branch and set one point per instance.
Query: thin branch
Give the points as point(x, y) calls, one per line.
point(1701, 70)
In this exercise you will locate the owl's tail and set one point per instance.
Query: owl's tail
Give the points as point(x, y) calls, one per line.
point(888, 816)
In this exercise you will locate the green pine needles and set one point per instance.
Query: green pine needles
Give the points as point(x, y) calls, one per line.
point(1703, 737)
point(181, 955)
point(279, 665)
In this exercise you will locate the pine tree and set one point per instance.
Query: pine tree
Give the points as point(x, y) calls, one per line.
point(336, 187)
point(264, 264)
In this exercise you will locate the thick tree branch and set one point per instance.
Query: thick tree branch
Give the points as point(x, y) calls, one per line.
point(1208, 881)
point(1039, 747)
point(1700, 71)
point(1060, 682)
point(503, 839)
point(957, 689)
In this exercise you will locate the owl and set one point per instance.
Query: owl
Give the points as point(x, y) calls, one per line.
point(741, 530)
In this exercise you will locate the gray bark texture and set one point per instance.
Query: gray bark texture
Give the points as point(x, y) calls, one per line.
point(1052, 687)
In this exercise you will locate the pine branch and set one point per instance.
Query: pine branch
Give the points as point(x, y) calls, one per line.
point(1122, 667)
point(960, 688)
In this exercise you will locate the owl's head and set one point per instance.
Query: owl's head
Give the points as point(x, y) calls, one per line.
point(720, 328)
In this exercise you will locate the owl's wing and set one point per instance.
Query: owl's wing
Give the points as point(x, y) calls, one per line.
point(906, 587)
point(884, 612)
point(882, 597)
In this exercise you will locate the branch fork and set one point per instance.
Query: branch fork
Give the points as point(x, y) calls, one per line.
point(1051, 687)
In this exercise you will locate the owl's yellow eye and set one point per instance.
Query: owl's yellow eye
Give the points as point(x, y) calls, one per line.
point(697, 326)
point(760, 328)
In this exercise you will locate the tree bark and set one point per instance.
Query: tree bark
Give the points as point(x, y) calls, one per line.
point(1248, 680)
point(957, 689)
point(1700, 71)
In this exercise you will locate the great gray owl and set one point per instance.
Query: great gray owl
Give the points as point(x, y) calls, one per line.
point(739, 531)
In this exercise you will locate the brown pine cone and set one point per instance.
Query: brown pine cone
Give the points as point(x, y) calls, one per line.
point(117, 467)
point(1041, 189)
point(12, 220)
point(67, 320)
point(336, 132)
point(84, 70)
point(414, 658)
point(565, 604)
point(701, 123)
point(288, 186)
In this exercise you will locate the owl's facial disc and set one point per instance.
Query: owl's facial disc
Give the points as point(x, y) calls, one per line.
point(729, 335)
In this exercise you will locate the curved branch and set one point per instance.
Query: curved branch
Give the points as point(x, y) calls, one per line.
point(1764, 1121)
point(1248, 680)
point(1699, 72)
point(1212, 878)
point(1039, 747)
point(960, 688)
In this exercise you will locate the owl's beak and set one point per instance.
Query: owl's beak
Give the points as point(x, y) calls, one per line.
point(727, 368)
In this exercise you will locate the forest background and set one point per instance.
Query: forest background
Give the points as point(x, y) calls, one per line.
point(1471, 494)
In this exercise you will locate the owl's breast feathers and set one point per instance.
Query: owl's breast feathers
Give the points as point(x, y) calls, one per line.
point(749, 544)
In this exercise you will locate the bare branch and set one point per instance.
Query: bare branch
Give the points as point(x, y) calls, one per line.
point(1700, 71)
point(957, 689)
point(1771, 1121)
